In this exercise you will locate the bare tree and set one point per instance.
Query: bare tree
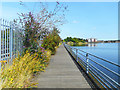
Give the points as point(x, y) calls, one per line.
point(46, 19)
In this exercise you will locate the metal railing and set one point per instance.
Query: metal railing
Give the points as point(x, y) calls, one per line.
point(10, 40)
point(96, 68)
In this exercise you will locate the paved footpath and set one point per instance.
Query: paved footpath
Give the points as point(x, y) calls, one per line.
point(62, 73)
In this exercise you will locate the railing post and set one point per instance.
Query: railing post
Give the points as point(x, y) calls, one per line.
point(5, 40)
point(3, 37)
point(77, 55)
point(87, 63)
point(14, 47)
point(11, 40)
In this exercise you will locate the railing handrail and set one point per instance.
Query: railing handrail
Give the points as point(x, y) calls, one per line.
point(99, 58)
point(102, 66)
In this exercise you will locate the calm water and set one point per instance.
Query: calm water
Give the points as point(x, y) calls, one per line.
point(108, 51)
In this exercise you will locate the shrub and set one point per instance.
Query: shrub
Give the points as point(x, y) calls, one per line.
point(19, 74)
point(51, 41)
point(31, 34)
point(70, 43)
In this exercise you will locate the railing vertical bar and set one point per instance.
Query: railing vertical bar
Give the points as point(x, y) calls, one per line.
point(17, 40)
point(15, 44)
point(11, 40)
point(7, 42)
point(14, 50)
point(5, 39)
point(19, 45)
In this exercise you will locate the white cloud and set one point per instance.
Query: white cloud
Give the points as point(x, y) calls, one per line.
point(74, 21)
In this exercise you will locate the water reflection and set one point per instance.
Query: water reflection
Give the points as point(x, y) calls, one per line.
point(91, 44)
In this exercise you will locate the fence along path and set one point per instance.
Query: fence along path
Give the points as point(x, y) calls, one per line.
point(10, 40)
point(90, 63)
point(62, 73)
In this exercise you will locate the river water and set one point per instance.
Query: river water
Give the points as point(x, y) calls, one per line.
point(108, 51)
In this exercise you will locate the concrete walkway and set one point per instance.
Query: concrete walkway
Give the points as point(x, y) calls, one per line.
point(62, 73)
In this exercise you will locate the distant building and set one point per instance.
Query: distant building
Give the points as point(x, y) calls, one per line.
point(92, 40)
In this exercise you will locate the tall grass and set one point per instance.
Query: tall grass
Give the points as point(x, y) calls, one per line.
point(20, 73)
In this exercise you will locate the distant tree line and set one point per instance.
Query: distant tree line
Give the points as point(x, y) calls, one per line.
point(75, 41)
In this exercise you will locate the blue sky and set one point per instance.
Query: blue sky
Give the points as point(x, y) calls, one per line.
point(84, 19)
